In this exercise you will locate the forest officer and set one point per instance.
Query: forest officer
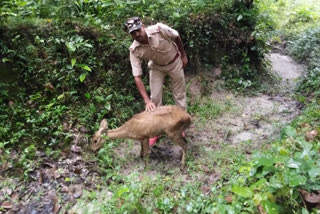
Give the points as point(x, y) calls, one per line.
point(162, 46)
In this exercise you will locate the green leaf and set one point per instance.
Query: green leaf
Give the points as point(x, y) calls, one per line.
point(61, 96)
point(109, 97)
point(275, 181)
point(314, 186)
point(293, 164)
point(88, 45)
point(107, 106)
point(73, 62)
point(267, 169)
point(22, 3)
point(92, 108)
point(239, 17)
point(82, 77)
point(283, 151)
point(223, 208)
point(85, 67)
point(176, 15)
point(314, 172)
point(49, 105)
point(307, 147)
point(270, 207)
point(122, 191)
point(4, 60)
point(290, 131)
point(70, 47)
point(296, 180)
point(259, 184)
point(304, 211)
point(257, 198)
point(264, 162)
point(87, 95)
point(242, 191)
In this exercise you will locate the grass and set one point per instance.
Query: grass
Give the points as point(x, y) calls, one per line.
point(173, 191)
point(206, 108)
point(169, 190)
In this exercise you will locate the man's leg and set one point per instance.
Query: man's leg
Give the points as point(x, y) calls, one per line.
point(178, 85)
point(156, 84)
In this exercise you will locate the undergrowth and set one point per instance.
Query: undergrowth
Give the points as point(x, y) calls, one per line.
point(305, 48)
point(272, 180)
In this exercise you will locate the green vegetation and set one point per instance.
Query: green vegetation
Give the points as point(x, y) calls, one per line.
point(64, 66)
point(305, 47)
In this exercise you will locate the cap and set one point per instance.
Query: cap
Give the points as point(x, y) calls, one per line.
point(133, 24)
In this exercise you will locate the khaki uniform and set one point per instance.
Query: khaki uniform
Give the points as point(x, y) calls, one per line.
point(163, 60)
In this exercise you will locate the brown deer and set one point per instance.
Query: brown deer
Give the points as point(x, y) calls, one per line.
point(171, 120)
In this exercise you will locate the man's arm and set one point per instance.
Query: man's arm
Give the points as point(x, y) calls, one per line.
point(170, 33)
point(184, 58)
point(150, 106)
point(137, 72)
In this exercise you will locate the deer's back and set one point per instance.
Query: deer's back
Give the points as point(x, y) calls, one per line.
point(156, 122)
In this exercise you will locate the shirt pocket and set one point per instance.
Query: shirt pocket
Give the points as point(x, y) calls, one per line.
point(161, 44)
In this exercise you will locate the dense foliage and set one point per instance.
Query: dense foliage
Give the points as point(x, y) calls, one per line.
point(305, 47)
point(63, 79)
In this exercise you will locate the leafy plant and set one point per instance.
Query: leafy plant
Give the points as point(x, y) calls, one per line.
point(305, 47)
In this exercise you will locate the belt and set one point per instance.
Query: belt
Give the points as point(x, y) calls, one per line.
point(174, 59)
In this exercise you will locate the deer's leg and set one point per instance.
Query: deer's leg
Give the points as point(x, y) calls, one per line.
point(181, 141)
point(141, 152)
point(145, 150)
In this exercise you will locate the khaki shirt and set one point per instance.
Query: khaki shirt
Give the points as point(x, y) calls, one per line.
point(160, 50)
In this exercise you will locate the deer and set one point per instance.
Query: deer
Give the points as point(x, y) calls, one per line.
point(170, 120)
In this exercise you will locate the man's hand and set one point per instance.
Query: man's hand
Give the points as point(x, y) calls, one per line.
point(184, 60)
point(150, 106)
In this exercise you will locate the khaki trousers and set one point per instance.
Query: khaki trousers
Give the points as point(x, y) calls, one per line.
point(177, 82)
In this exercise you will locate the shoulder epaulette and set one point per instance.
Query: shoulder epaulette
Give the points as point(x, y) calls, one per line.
point(153, 29)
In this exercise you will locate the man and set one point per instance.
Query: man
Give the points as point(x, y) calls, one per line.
point(162, 46)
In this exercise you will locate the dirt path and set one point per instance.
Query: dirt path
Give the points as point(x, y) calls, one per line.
point(245, 121)
point(250, 120)
point(259, 118)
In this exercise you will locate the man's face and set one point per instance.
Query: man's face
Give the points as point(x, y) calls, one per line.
point(140, 35)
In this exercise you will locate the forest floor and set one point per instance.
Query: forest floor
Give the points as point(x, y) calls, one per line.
point(224, 125)
point(248, 121)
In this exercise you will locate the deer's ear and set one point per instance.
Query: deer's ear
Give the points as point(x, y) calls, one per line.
point(104, 124)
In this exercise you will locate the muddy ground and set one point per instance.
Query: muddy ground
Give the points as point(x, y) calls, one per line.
point(252, 119)
point(249, 121)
